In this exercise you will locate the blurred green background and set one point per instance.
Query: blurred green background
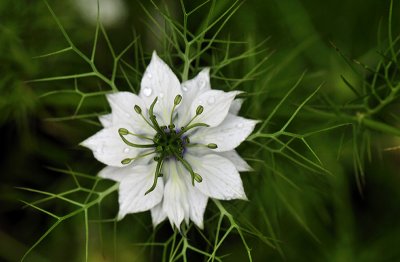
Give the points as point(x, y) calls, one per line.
point(317, 216)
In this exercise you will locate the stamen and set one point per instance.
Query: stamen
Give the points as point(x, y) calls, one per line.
point(153, 117)
point(122, 132)
point(198, 178)
point(177, 101)
point(194, 175)
point(186, 128)
point(157, 174)
point(199, 110)
point(212, 146)
point(125, 132)
point(128, 160)
point(139, 111)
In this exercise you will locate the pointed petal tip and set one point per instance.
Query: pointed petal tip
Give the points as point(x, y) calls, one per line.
point(85, 143)
point(154, 56)
point(120, 216)
point(199, 225)
point(206, 71)
point(238, 92)
point(244, 197)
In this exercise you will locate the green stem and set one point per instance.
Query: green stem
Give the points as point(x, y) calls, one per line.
point(365, 120)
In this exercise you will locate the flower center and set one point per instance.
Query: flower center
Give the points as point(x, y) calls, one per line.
point(169, 143)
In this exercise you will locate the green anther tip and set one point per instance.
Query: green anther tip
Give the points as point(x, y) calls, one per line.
point(198, 178)
point(160, 175)
point(177, 100)
point(126, 161)
point(138, 109)
point(123, 131)
point(199, 110)
point(212, 146)
point(164, 127)
point(172, 126)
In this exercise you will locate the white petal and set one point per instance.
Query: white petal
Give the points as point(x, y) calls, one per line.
point(197, 200)
point(228, 135)
point(221, 180)
point(157, 214)
point(113, 173)
point(106, 120)
point(132, 189)
point(235, 106)
point(216, 105)
point(123, 112)
point(159, 81)
point(191, 89)
point(108, 147)
point(240, 164)
point(175, 205)
point(182, 200)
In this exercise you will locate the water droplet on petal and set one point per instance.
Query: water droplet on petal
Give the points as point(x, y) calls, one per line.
point(161, 95)
point(147, 91)
point(211, 100)
point(200, 102)
point(149, 76)
point(184, 88)
point(239, 125)
point(126, 150)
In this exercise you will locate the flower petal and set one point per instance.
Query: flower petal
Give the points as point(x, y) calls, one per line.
point(235, 106)
point(136, 180)
point(181, 199)
point(240, 164)
point(106, 120)
point(197, 200)
point(175, 205)
point(191, 89)
point(228, 135)
point(157, 214)
point(113, 173)
point(221, 180)
point(123, 113)
point(108, 147)
point(216, 105)
point(159, 81)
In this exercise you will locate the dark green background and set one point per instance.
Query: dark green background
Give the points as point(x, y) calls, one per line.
point(346, 225)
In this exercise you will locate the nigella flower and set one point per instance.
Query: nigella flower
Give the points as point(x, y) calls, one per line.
point(172, 146)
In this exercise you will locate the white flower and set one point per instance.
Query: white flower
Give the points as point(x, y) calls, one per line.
point(172, 147)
